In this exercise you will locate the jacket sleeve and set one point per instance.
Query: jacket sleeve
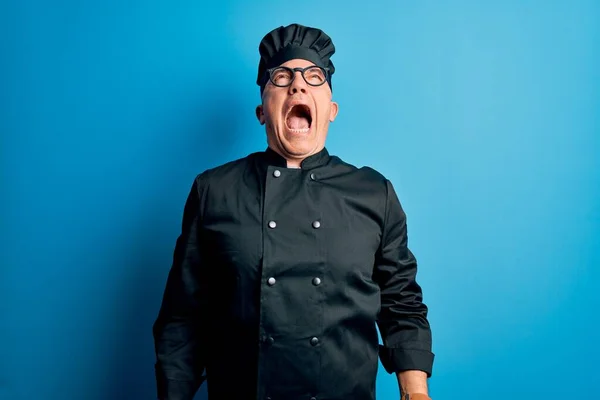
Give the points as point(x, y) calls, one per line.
point(177, 330)
point(402, 321)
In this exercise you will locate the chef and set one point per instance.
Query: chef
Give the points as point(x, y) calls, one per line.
point(289, 259)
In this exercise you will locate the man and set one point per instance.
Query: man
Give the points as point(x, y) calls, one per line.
point(290, 258)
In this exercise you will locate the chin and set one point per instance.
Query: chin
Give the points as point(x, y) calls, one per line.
point(299, 139)
point(302, 149)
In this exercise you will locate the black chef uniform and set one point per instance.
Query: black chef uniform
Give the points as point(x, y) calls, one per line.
point(279, 279)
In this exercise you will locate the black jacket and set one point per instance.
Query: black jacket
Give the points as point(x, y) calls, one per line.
point(279, 278)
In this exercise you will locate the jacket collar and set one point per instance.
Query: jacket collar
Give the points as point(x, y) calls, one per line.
point(321, 158)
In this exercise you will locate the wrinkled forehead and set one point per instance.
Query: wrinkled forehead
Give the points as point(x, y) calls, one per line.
point(297, 63)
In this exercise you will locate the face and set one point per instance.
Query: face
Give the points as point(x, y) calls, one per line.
point(297, 117)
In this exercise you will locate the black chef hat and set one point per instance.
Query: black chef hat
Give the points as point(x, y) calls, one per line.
point(294, 41)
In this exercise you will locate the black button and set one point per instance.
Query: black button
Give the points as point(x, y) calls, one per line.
point(312, 176)
point(313, 398)
point(314, 341)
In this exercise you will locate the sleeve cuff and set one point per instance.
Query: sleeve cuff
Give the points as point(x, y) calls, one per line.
point(398, 360)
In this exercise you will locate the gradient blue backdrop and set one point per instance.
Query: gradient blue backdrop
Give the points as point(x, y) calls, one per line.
point(485, 115)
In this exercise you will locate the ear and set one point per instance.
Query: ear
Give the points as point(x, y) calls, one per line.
point(333, 111)
point(260, 114)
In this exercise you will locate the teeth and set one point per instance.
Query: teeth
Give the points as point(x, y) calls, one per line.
point(305, 130)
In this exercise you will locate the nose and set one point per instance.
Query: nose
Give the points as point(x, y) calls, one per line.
point(298, 84)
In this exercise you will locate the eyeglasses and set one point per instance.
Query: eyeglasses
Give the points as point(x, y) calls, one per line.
point(284, 76)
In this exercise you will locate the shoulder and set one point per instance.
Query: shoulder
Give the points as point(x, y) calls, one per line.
point(225, 170)
point(220, 176)
point(366, 183)
point(364, 174)
point(381, 193)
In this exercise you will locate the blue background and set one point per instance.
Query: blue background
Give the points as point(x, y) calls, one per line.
point(485, 116)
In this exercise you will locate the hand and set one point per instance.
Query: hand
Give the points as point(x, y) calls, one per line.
point(416, 396)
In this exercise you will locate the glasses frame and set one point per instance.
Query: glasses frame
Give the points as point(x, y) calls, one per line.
point(293, 71)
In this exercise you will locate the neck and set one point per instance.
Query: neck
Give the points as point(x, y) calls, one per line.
point(293, 163)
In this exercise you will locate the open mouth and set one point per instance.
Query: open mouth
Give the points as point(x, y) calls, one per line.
point(299, 118)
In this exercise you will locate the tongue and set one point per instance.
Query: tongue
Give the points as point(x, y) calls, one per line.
point(297, 122)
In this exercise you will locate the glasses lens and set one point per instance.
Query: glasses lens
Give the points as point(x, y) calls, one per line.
point(314, 76)
point(281, 76)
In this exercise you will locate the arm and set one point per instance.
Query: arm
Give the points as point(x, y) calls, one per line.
point(179, 358)
point(412, 382)
point(402, 321)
